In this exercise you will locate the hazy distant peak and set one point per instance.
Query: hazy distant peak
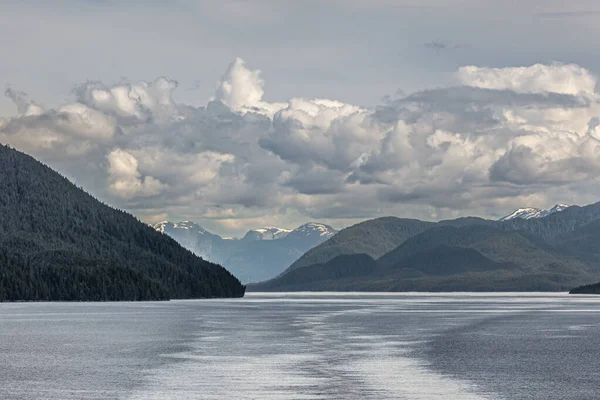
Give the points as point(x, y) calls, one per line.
point(524, 213)
point(312, 228)
point(267, 233)
point(160, 226)
point(531, 212)
point(264, 233)
point(186, 225)
point(559, 207)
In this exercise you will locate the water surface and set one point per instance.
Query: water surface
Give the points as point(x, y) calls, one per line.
point(305, 346)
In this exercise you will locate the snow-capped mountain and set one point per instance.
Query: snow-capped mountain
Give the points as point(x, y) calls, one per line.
point(558, 208)
point(193, 237)
point(530, 212)
point(186, 225)
point(269, 233)
point(313, 229)
point(261, 254)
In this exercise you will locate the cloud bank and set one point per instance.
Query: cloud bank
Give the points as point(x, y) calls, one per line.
point(500, 138)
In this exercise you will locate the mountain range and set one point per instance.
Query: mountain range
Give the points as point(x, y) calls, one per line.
point(261, 254)
point(59, 243)
point(551, 251)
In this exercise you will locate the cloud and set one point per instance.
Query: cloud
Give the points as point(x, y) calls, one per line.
point(325, 132)
point(125, 178)
point(503, 138)
point(241, 89)
point(436, 45)
point(140, 101)
point(71, 130)
point(240, 86)
point(439, 45)
point(316, 180)
point(556, 78)
point(25, 107)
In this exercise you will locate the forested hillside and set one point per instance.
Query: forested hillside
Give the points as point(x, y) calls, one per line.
point(59, 243)
point(552, 253)
point(374, 238)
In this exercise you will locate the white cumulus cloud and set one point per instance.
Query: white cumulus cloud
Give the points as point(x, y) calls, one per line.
point(125, 179)
point(503, 138)
point(539, 78)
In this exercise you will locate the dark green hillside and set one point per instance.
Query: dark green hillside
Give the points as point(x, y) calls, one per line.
point(433, 238)
point(374, 237)
point(447, 260)
point(467, 221)
point(59, 243)
point(361, 272)
point(499, 246)
point(347, 267)
point(582, 243)
point(552, 253)
point(551, 227)
point(476, 257)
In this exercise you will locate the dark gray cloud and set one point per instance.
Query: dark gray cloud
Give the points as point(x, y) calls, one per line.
point(466, 97)
point(19, 98)
point(439, 45)
point(316, 181)
point(523, 166)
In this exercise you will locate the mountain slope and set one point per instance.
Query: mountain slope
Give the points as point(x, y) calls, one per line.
point(555, 252)
point(374, 238)
point(361, 272)
point(446, 260)
point(530, 212)
point(324, 276)
point(198, 240)
point(581, 243)
point(555, 224)
point(500, 246)
point(437, 261)
point(59, 243)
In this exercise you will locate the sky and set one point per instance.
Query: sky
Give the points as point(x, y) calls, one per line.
point(241, 114)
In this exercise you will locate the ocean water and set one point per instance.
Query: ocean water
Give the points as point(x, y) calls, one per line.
point(305, 346)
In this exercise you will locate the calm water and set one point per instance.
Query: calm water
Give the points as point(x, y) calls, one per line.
point(305, 346)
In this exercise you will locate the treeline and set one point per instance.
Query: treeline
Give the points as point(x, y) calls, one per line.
point(586, 289)
point(59, 243)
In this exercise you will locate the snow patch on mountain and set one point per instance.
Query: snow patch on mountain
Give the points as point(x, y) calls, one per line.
point(314, 228)
point(185, 225)
point(268, 233)
point(160, 226)
point(531, 212)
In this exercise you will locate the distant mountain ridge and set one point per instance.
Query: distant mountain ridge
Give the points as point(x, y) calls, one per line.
point(556, 251)
point(268, 233)
point(530, 212)
point(260, 254)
